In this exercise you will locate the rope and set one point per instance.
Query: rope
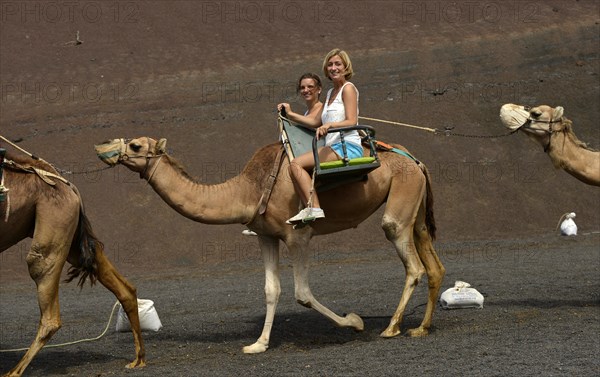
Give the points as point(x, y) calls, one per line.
point(434, 130)
point(19, 148)
point(446, 132)
point(309, 204)
point(61, 171)
point(112, 312)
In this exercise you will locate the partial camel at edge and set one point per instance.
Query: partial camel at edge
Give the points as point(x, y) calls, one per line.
point(549, 128)
point(44, 206)
point(401, 183)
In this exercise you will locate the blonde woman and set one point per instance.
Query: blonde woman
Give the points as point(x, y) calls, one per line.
point(340, 110)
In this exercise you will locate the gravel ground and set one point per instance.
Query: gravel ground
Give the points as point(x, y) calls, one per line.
point(541, 316)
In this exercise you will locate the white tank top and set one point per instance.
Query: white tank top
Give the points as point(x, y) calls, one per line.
point(336, 112)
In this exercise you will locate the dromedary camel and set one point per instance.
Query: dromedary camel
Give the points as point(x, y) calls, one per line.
point(407, 222)
point(43, 205)
point(548, 127)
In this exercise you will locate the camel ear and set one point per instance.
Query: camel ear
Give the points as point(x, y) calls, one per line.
point(558, 112)
point(161, 146)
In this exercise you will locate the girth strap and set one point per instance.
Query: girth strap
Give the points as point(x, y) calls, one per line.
point(266, 195)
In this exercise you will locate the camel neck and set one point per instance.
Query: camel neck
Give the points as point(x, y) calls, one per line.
point(223, 203)
point(581, 163)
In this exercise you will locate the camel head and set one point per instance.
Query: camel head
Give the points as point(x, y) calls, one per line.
point(536, 120)
point(134, 153)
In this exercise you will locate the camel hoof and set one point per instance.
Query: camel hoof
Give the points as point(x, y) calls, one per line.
point(418, 332)
point(255, 348)
point(136, 364)
point(355, 322)
point(390, 332)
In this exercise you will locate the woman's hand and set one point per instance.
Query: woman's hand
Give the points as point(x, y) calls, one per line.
point(284, 105)
point(322, 131)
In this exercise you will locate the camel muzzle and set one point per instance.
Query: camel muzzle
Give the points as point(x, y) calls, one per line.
point(111, 152)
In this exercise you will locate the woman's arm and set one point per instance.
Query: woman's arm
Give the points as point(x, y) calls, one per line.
point(312, 120)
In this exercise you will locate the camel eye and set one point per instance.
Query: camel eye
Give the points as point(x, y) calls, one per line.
point(536, 113)
point(135, 147)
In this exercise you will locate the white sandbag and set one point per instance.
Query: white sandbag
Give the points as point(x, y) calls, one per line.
point(461, 296)
point(149, 320)
point(568, 226)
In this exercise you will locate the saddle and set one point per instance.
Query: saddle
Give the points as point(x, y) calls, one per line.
point(298, 140)
point(46, 176)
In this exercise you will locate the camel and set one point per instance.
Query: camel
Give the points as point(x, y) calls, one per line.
point(262, 197)
point(548, 127)
point(42, 205)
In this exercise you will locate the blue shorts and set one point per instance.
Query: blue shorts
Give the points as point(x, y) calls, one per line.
point(353, 150)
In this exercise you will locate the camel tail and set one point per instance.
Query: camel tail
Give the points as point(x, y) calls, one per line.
point(429, 218)
point(86, 246)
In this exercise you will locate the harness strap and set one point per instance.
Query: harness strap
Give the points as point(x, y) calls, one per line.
point(46, 176)
point(266, 195)
point(390, 148)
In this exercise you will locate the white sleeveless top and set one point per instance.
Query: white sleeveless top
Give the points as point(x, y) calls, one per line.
point(336, 112)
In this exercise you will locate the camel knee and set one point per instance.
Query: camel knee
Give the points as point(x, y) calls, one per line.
point(414, 278)
point(49, 328)
point(304, 298)
point(390, 227)
point(435, 278)
point(272, 293)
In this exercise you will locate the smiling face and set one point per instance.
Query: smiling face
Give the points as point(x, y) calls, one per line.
point(337, 65)
point(336, 69)
point(309, 89)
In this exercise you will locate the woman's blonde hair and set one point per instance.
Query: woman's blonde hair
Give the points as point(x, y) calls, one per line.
point(345, 59)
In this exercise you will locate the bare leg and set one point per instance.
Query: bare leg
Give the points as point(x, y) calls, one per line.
point(270, 250)
point(299, 168)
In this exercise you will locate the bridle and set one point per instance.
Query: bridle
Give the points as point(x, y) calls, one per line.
point(124, 156)
point(549, 131)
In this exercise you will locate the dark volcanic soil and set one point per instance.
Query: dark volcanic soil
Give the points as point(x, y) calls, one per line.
point(207, 76)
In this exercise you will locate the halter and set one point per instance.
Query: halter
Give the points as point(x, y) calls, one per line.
point(549, 131)
point(124, 156)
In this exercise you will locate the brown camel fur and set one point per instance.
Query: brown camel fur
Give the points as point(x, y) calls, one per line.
point(53, 216)
point(549, 128)
point(407, 222)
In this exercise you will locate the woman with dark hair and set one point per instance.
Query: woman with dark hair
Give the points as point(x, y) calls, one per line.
point(340, 110)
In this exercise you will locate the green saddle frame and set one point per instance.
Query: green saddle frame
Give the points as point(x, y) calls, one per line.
point(298, 140)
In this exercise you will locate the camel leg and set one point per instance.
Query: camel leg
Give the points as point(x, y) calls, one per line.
point(45, 261)
point(127, 296)
point(435, 273)
point(301, 263)
point(270, 251)
point(398, 224)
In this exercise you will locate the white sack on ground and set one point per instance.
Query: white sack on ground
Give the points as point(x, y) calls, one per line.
point(568, 226)
point(149, 320)
point(461, 296)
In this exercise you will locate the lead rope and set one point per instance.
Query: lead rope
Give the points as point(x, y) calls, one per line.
point(446, 132)
point(309, 204)
point(112, 312)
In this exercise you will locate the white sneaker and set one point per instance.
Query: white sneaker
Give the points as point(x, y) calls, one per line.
point(306, 215)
